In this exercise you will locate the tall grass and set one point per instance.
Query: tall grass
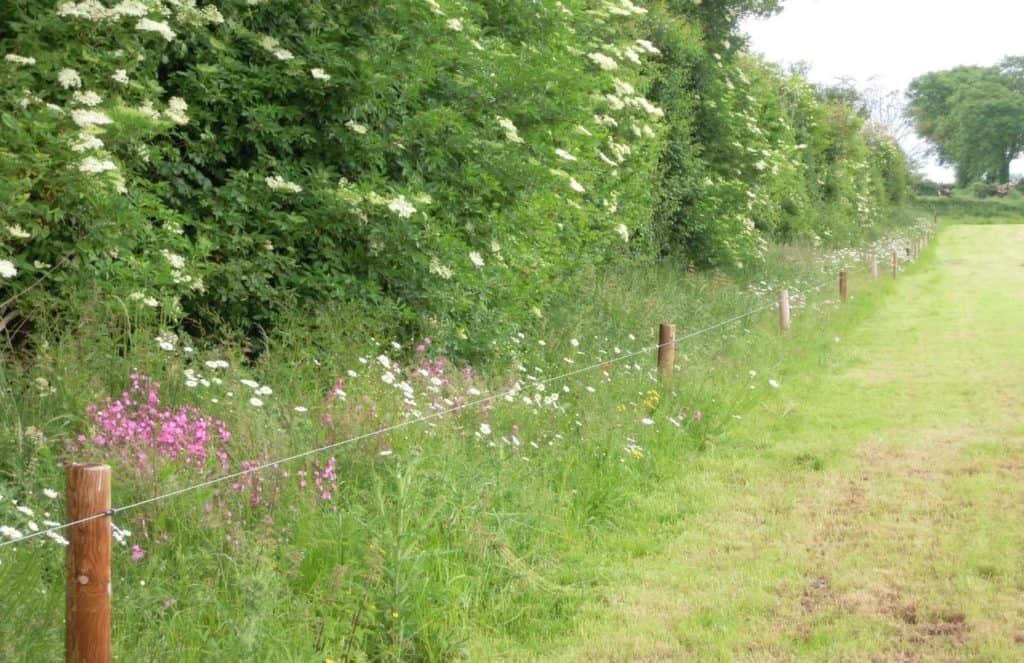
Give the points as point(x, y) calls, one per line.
point(416, 544)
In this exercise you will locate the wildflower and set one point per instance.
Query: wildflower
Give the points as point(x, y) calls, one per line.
point(175, 112)
point(320, 74)
point(576, 186)
point(255, 401)
point(18, 59)
point(384, 361)
point(574, 343)
point(647, 421)
point(476, 259)
point(562, 154)
point(52, 494)
point(455, 24)
point(774, 384)
point(623, 231)
point(301, 409)
point(216, 364)
point(485, 429)
point(356, 127)
point(18, 232)
point(25, 510)
point(9, 532)
point(265, 391)
point(137, 553)
point(401, 207)
point(388, 377)
point(161, 28)
point(697, 416)
point(441, 270)
point(252, 384)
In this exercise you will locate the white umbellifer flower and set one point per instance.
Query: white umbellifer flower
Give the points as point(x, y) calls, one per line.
point(256, 402)
point(647, 46)
point(9, 532)
point(18, 232)
point(388, 377)
point(511, 133)
point(647, 421)
point(132, 8)
point(215, 364)
point(622, 87)
point(87, 98)
point(401, 207)
point(476, 259)
point(604, 157)
point(615, 102)
point(151, 302)
point(320, 74)
point(176, 107)
point(495, 247)
point(623, 231)
point(485, 429)
point(264, 390)
point(69, 78)
point(252, 384)
point(177, 104)
point(576, 186)
point(19, 59)
point(774, 384)
point(92, 165)
point(301, 409)
point(283, 54)
point(90, 118)
point(212, 15)
point(120, 76)
point(159, 27)
point(562, 154)
point(87, 142)
point(278, 183)
point(7, 269)
point(356, 127)
point(606, 120)
point(434, 7)
point(25, 510)
point(384, 361)
point(603, 61)
point(51, 493)
point(455, 24)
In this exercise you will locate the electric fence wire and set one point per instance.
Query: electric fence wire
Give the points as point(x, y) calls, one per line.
point(387, 429)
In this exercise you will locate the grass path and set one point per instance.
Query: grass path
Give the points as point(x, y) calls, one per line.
point(873, 511)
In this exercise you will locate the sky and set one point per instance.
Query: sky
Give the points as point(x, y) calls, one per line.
point(888, 43)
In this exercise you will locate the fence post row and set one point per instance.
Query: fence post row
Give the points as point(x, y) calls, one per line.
point(666, 348)
point(784, 310)
point(90, 547)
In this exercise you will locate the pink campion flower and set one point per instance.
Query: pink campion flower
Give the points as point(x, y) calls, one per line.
point(137, 553)
point(697, 416)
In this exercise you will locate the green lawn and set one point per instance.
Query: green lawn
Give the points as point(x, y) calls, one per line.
point(874, 510)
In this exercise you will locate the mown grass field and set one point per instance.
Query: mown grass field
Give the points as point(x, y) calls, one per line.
point(629, 517)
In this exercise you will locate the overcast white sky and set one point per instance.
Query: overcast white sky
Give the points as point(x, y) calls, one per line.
point(888, 43)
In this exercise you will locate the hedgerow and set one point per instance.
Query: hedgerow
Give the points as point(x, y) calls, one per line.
point(449, 166)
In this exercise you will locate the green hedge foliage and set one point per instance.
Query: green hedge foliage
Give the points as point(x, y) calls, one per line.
point(450, 166)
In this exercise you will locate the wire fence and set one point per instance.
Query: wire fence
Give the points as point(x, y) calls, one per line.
point(492, 397)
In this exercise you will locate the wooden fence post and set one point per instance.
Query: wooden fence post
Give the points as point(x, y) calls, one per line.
point(88, 608)
point(895, 264)
point(874, 267)
point(666, 348)
point(784, 310)
point(842, 286)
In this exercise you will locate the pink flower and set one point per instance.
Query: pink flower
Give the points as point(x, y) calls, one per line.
point(697, 416)
point(137, 553)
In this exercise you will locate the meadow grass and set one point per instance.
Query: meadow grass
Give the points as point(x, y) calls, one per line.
point(485, 533)
point(869, 511)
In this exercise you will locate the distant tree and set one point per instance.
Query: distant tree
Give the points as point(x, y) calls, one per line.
point(973, 117)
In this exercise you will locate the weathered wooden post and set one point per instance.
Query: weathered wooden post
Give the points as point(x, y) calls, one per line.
point(842, 286)
point(895, 263)
point(88, 607)
point(874, 267)
point(666, 348)
point(784, 310)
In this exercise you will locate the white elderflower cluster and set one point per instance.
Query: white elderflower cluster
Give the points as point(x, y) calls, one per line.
point(86, 142)
point(19, 59)
point(603, 61)
point(176, 107)
point(401, 207)
point(69, 78)
point(278, 183)
point(511, 133)
point(90, 118)
point(274, 47)
point(87, 98)
point(7, 269)
point(159, 27)
point(356, 127)
point(94, 166)
point(120, 76)
point(319, 74)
